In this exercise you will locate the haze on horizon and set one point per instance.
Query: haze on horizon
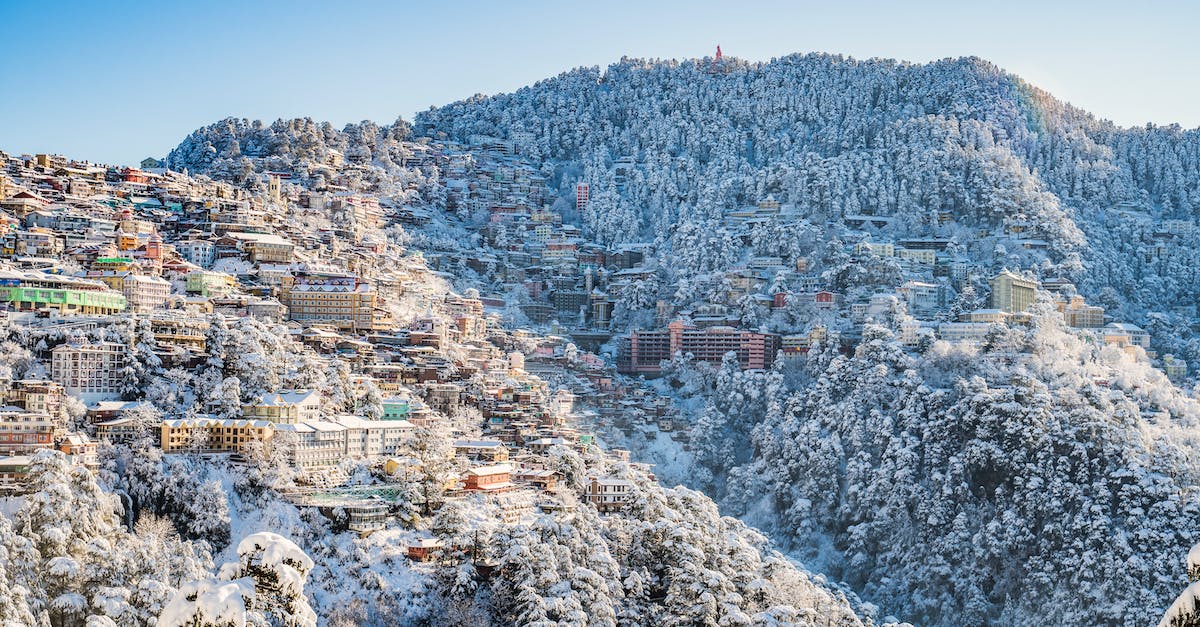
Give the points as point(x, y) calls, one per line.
point(116, 82)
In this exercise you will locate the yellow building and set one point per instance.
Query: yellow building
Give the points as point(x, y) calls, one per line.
point(211, 435)
point(1012, 293)
point(1081, 315)
point(344, 302)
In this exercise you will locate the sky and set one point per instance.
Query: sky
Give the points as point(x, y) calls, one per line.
point(117, 81)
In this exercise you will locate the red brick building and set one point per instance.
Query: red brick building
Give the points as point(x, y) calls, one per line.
point(641, 352)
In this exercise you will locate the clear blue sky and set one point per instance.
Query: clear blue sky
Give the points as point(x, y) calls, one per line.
point(116, 81)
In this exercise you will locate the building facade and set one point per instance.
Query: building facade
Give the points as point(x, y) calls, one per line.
point(642, 351)
point(89, 371)
point(1012, 293)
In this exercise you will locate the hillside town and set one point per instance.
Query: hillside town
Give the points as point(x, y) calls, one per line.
point(87, 248)
point(340, 334)
point(176, 259)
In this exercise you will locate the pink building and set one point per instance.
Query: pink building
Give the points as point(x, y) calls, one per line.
point(642, 351)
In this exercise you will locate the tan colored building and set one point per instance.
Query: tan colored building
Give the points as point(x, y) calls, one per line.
point(211, 435)
point(264, 247)
point(1012, 293)
point(341, 301)
point(1081, 315)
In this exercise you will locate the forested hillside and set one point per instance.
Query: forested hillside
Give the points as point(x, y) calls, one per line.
point(837, 137)
point(1037, 477)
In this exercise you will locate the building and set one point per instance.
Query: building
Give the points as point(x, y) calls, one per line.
point(37, 396)
point(144, 293)
point(212, 435)
point(922, 298)
point(339, 300)
point(801, 343)
point(494, 478)
point(91, 372)
point(925, 257)
point(24, 432)
point(35, 291)
point(609, 495)
point(207, 283)
point(582, 192)
point(13, 470)
point(81, 449)
point(264, 247)
point(1012, 293)
point(201, 252)
point(118, 430)
point(367, 517)
point(1125, 334)
point(396, 408)
point(285, 407)
point(1081, 315)
point(1175, 369)
point(643, 351)
point(963, 331)
point(491, 451)
point(424, 549)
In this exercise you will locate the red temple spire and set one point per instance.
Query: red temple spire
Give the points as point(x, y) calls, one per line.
point(718, 57)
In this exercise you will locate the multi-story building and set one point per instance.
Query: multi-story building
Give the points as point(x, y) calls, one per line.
point(187, 333)
point(342, 301)
point(212, 435)
point(207, 283)
point(201, 252)
point(582, 193)
point(34, 291)
point(1125, 334)
point(642, 351)
point(23, 432)
point(609, 495)
point(91, 372)
point(285, 407)
point(922, 298)
point(1012, 293)
point(1081, 315)
point(118, 430)
point(144, 293)
point(801, 343)
point(264, 247)
point(1175, 369)
point(37, 396)
point(925, 257)
point(81, 449)
point(963, 331)
point(494, 478)
point(320, 444)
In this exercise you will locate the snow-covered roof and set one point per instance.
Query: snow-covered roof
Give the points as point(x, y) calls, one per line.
point(494, 469)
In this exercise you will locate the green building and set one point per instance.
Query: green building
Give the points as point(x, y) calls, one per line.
point(35, 291)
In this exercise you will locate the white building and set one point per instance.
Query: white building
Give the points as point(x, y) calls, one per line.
point(609, 494)
point(323, 443)
point(144, 292)
point(963, 331)
point(1137, 335)
point(90, 372)
point(285, 406)
point(198, 251)
point(922, 298)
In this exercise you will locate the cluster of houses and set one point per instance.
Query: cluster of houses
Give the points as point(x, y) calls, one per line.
point(87, 246)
